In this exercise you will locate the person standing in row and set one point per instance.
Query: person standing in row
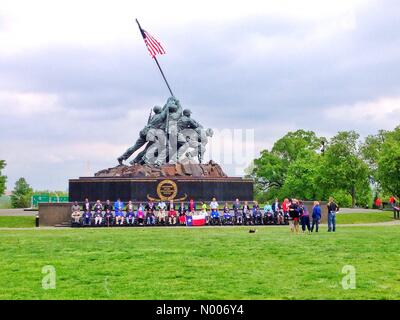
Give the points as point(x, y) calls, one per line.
point(192, 206)
point(294, 215)
point(237, 213)
point(182, 214)
point(332, 210)
point(396, 207)
point(305, 218)
point(316, 216)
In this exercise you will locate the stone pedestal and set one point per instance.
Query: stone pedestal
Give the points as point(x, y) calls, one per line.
point(156, 189)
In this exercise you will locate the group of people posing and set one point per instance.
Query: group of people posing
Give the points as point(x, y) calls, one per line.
point(291, 212)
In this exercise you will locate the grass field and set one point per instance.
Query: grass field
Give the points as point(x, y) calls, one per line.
point(199, 263)
point(17, 222)
point(352, 218)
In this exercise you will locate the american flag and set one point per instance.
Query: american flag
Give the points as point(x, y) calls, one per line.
point(152, 44)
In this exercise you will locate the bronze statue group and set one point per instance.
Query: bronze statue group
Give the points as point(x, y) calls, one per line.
point(168, 213)
point(170, 136)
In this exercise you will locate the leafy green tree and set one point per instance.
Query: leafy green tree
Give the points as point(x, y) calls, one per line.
point(302, 178)
point(289, 146)
point(21, 196)
point(344, 168)
point(270, 169)
point(3, 179)
point(388, 163)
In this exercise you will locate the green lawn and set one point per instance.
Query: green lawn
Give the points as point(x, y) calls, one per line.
point(352, 218)
point(17, 222)
point(199, 263)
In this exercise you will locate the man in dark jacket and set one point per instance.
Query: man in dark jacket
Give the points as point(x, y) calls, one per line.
point(108, 216)
point(87, 213)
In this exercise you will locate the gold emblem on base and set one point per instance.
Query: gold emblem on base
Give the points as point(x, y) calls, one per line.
point(166, 190)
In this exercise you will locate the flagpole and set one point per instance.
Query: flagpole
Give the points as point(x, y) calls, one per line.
point(155, 59)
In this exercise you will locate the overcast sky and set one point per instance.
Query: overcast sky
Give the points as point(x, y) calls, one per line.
point(77, 83)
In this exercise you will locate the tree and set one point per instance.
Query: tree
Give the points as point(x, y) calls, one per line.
point(344, 168)
point(21, 196)
point(270, 169)
point(302, 178)
point(3, 179)
point(388, 163)
point(289, 146)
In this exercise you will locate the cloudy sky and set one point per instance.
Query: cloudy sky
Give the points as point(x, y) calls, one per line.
point(76, 82)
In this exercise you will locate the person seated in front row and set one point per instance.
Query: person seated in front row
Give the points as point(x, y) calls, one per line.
point(140, 214)
point(108, 216)
point(150, 217)
point(98, 213)
point(171, 213)
point(76, 213)
point(257, 216)
point(214, 212)
point(119, 215)
point(268, 214)
point(130, 214)
point(182, 213)
point(247, 214)
point(227, 215)
point(161, 215)
point(87, 214)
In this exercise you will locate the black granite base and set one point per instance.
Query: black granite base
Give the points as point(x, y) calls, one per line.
point(144, 189)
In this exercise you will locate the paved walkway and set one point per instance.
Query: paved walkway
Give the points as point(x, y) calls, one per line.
point(16, 212)
point(359, 210)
